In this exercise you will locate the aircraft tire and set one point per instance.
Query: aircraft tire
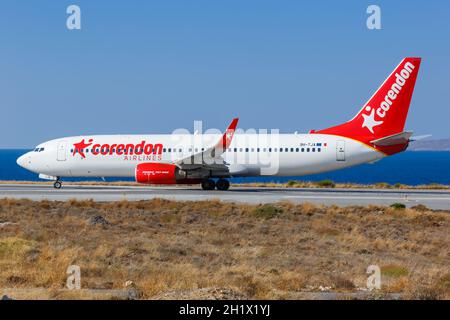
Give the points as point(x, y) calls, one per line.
point(208, 184)
point(223, 184)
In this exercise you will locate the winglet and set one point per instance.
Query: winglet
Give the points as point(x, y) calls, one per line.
point(228, 135)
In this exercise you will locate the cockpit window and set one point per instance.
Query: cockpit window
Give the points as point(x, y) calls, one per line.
point(38, 149)
point(41, 149)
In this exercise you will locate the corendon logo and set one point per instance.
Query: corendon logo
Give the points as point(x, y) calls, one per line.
point(129, 149)
point(80, 146)
point(400, 80)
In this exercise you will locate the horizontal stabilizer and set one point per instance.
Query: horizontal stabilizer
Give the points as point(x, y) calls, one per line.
point(395, 139)
point(417, 138)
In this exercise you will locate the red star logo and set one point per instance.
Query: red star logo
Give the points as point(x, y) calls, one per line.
point(78, 147)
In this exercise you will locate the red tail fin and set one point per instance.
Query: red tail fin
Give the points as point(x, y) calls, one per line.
point(385, 112)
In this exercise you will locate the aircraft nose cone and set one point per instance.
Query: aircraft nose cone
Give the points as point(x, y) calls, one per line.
point(22, 161)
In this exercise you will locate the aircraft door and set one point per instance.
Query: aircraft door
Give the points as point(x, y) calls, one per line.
point(340, 150)
point(61, 151)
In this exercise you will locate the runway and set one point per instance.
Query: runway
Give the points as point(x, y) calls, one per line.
point(434, 199)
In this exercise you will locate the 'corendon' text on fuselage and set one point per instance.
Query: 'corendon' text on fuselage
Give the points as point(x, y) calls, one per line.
point(139, 149)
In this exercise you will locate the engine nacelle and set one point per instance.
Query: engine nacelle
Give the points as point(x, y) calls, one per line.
point(158, 173)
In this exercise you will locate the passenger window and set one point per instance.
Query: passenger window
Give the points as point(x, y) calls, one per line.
point(318, 149)
point(270, 149)
point(296, 149)
point(235, 149)
point(313, 149)
point(303, 149)
point(307, 149)
point(292, 149)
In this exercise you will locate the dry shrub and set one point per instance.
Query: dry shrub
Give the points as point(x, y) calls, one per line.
point(324, 227)
point(394, 271)
point(307, 208)
point(397, 285)
point(267, 211)
point(425, 292)
point(290, 281)
point(340, 282)
point(15, 248)
point(420, 208)
point(252, 286)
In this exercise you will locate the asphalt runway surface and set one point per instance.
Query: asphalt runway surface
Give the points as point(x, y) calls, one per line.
point(434, 199)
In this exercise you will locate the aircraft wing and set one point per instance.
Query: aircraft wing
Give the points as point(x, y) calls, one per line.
point(210, 159)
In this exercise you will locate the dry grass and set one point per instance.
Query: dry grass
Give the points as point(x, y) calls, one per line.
point(332, 184)
point(182, 249)
point(289, 184)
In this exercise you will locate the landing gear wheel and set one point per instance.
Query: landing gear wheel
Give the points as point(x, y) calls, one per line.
point(208, 184)
point(57, 185)
point(223, 184)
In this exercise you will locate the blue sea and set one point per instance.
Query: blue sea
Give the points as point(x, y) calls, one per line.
point(412, 168)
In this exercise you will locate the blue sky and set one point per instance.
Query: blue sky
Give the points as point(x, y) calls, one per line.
point(153, 66)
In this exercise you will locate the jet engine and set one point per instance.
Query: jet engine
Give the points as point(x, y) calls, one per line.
point(159, 173)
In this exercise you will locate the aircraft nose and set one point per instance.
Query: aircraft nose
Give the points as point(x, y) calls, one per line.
point(23, 161)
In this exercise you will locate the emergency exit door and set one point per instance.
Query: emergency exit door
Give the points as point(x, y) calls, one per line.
point(340, 150)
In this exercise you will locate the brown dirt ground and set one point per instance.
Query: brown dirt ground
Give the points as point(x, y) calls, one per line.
point(213, 249)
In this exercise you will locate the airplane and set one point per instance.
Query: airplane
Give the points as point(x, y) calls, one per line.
point(376, 131)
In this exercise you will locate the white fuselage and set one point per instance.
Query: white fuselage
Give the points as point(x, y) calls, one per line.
point(248, 154)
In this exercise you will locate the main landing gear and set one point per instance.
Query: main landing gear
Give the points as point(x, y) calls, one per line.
point(57, 184)
point(221, 184)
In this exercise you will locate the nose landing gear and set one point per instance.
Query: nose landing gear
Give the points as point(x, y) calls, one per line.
point(57, 184)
